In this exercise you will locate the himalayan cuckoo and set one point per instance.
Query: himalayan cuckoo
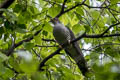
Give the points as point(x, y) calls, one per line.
point(63, 35)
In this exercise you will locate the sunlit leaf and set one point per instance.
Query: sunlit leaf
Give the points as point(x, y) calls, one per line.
point(77, 28)
point(28, 45)
point(3, 57)
point(53, 11)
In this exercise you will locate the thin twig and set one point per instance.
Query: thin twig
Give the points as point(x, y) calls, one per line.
point(109, 28)
point(97, 46)
point(63, 6)
point(46, 46)
point(38, 55)
point(100, 36)
point(47, 58)
point(6, 65)
point(63, 12)
point(49, 40)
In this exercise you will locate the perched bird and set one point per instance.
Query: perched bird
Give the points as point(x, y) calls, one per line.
point(63, 35)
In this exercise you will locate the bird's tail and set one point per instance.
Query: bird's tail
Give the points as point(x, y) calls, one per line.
point(83, 67)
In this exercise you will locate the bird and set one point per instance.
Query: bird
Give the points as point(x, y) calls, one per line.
point(64, 35)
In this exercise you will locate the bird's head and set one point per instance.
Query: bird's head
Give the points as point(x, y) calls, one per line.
point(55, 21)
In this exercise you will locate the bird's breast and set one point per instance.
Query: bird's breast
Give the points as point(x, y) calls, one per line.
point(61, 34)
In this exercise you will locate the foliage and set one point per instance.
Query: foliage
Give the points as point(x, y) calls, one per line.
point(21, 21)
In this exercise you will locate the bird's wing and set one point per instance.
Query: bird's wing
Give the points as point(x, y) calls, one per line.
point(75, 44)
point(75, 52)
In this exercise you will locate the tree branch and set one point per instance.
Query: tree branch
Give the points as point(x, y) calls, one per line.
point(105, 44)
point(5, 5)
point(58, 52)
point(49, 40)
point(46, 46)
point(38, 55)
point(109, 28)
point(47, 58)
point(107, 7)
point(63, 12)
point(6, 65)
point(10, 51)
point(63, 6)
point(28, 39)
point(84, 35)
point(100, 45)
point(100, 36)
point(80, 4)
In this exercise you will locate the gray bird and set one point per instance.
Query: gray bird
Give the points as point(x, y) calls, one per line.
point(63, 35)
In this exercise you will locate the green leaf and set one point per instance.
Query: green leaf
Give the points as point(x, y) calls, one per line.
point(6, 36)
point(87, 2)
point(1, 20)
point(53, 11)
point(38, 39)
point(8, 25)
point(2, 69)
point(68, 1)
point(11, 16)
point(87, 57)
point(19, 30)
point(59, 1)
point(64, 19)
point(17, 8)
point(21, 19)
point(45, 33)
point(77, 28)
point(79, 16)
point(48, 27)
point(28, 64)
point(95, 14)
point(101, 24)
point(27, 15)
point(114, 1)
point(79, 10)
point(27, 36)
point(8, 73)
point(78, 0)
point(2, 30)
point(22, 26)
point(3, 57)
point(87, 28)
point(15, 63)
point(28, 45)
point(39, 76)
point(28, 67)
point(42, 3)
point(32, 9)
point(112, 51)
